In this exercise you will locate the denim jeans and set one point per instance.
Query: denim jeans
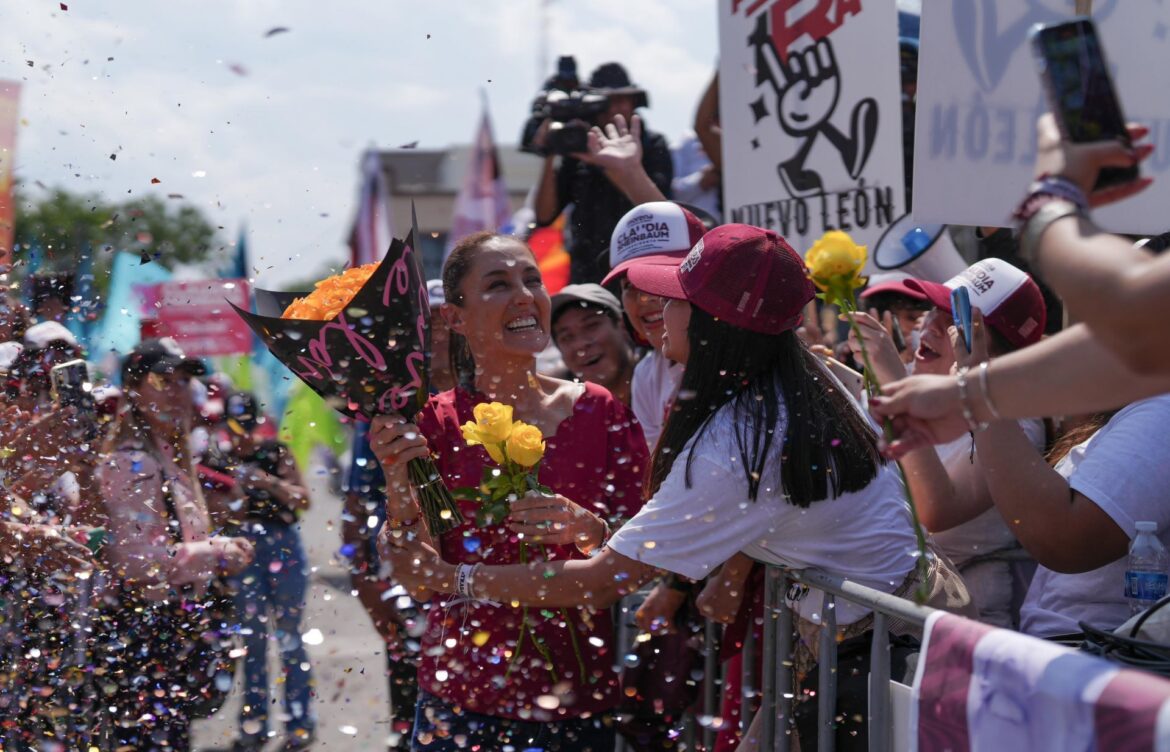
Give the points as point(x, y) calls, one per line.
point(271, 592)
point(438, 728)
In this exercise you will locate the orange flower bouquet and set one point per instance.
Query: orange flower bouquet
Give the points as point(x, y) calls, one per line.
point(362, 341)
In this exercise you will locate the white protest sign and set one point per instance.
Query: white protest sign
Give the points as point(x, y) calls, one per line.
point(979, 97)
point(810, 106)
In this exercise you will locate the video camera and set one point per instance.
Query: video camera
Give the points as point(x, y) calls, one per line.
point(571, 108)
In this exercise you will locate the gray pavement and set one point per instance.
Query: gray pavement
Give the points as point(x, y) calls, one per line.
point(348, 664)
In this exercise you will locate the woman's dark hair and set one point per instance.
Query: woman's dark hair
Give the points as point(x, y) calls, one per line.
point(455, 270)
point(829, 448)
point(1078, 434)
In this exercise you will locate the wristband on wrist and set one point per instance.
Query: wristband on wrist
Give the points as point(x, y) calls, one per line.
point(1036, 220)
point(973, 425)
point(463, 580)
point(674, 582)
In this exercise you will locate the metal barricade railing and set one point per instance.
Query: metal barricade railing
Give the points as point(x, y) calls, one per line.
point(778, 694)
point(773, 688)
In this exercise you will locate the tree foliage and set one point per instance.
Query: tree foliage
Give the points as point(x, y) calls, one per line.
point(61, 225)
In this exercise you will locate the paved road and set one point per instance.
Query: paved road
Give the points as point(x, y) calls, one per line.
point(348, 664)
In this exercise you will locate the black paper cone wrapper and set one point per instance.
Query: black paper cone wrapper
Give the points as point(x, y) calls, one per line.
point(371, 359)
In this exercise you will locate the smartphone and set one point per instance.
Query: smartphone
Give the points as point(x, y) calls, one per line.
point(71, 387)
point(896, 336)
point(961, 313)
point(1079, 89)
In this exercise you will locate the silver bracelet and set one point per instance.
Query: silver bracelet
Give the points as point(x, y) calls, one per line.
point(973, 425)
point(986, 389)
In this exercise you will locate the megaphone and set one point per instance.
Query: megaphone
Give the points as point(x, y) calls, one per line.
point(923, 251)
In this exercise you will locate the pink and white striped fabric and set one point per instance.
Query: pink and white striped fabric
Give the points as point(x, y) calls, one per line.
point(982, 689)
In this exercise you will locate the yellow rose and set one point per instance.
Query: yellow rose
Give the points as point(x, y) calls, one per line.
point(525, 445)
point(475, 437)
point(835, 257)
point(494, 420)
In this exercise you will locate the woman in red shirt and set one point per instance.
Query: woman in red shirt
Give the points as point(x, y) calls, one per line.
point(474, 690)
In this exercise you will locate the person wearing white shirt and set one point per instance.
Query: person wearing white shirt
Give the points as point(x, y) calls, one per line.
point(742, 465)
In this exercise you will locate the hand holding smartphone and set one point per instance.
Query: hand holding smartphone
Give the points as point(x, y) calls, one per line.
point(1080, 91)
point(961, 313)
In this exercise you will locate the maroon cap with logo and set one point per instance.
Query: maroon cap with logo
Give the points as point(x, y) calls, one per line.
point(743, 275)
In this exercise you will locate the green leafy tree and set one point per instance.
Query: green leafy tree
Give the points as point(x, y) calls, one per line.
point(63, 224)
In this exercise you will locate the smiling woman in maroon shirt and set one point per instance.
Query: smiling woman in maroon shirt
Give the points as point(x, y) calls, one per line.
point(471, 685)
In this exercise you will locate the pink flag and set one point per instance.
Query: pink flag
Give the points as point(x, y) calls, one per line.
point(482, 203)
point(372, 228)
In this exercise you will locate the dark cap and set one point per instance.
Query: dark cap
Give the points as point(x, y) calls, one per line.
point(161, 355)
point(587, 295)
point(242, 408)
point(611, 79)
point(747, 276)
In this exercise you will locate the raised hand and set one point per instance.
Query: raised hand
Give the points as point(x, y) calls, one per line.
point(617, 147)
point(806, 87)
point(1081, 163)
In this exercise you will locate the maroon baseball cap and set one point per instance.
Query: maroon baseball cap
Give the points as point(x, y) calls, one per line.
point(743, 275)
point(894, 282)
point(1009, 299)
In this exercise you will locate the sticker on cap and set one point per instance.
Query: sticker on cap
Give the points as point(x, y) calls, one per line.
point(662, 230)
point(693, 258)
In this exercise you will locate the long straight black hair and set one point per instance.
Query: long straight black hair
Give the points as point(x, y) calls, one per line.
point(829, 448)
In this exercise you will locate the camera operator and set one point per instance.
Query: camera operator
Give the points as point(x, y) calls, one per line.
point(598, 195)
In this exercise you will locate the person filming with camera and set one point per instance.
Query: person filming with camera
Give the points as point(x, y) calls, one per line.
point(600, 193)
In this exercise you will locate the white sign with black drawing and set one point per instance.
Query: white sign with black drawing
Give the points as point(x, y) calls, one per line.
point(809, 98)
point(979, 97)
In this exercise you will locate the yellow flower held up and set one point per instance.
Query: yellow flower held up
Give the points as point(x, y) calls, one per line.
point(494, 420)
point(474, 436)
point(525, 445)
point(835, 261)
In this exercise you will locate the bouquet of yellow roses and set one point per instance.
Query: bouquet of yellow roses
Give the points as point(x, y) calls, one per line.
point(517, 449)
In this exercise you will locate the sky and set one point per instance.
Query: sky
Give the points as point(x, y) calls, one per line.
point(266, 131)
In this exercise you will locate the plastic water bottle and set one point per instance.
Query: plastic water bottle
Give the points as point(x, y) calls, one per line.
point(1145, 576)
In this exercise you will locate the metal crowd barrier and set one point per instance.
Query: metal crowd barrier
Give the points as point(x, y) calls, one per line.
point(774, 688)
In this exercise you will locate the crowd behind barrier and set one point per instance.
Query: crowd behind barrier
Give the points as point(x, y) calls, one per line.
point(708, 437)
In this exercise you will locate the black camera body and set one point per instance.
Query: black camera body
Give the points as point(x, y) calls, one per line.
point(572, 115)
point(571, 108)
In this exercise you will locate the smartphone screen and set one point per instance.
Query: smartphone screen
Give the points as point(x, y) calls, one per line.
point(1080, 90)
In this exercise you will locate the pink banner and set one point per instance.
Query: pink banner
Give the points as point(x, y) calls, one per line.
point(9, 118)
point(197, 314)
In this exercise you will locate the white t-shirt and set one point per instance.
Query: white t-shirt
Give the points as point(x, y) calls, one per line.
point(1125, 470)
point(655, 382)
point(865, 536)
point(988, 532)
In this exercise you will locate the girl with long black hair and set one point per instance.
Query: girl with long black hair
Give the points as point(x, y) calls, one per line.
point(763, 453)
